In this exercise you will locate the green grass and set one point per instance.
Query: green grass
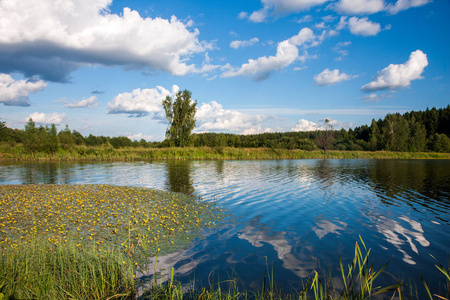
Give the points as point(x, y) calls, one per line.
point(18, 153)
point(42, 270)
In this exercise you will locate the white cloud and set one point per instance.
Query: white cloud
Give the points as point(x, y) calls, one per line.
point(282, 7)
point(240, 44)
point(327, 77)
point(258, 16)
point(54, 38)
point(139, 102)
point(320, 25)
point(140, 136)
point(42, 118)
point(287, 53)
point(15, 93)
point(363, 26)
point(378, 97)
point(405, 4)
point(242, 15)
point(307, 18)
point(398, 76)
point(84, 103)
point(356, 7)
point(213, 117)
point(305, 125)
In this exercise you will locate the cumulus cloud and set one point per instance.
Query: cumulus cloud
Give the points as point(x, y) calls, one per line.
point(327, 77)
point(363, 26)
point(240, 44)
point(287, 53)
point(15, 92)
point(305, 125)
point(213, 117)
point(356, 7)
point(398, 76)
point(140, 136)
point(47, 119)
point(53, 39)
point(84, 103)
point(405, 4)
point(282, 7)
point(139, 102)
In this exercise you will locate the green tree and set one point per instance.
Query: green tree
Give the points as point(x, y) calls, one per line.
point(440, 143)
point(181, 116)
point(66, 138)
point(396, 132)
point(418, 136)
point(374, 136)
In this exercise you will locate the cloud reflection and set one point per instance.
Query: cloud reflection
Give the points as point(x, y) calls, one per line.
point(393, 231)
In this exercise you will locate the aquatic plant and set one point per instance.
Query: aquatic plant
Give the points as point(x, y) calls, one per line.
point(138, 221)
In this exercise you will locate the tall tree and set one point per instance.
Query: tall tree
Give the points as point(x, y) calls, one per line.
point(181, 116)
point(325, 138)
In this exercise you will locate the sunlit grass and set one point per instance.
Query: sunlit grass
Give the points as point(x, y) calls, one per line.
point(100, 153)
point(43, 270)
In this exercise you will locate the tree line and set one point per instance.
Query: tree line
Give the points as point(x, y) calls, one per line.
point(414, 131)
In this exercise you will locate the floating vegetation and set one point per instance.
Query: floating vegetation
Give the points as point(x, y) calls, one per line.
point(139, 222)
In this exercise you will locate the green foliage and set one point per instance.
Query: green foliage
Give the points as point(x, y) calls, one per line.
point(181, 116)
point(440, 143)
point(40, 139)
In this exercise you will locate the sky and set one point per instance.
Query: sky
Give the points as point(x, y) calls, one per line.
point(103, 67)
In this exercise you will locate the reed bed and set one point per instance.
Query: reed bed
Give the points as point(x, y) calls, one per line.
point(201, 153)
point(43, 270)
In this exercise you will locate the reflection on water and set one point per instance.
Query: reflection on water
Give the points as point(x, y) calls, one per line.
point(179, 177)
point(295, 215)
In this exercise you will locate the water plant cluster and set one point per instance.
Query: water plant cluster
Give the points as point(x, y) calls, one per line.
point(137, 221)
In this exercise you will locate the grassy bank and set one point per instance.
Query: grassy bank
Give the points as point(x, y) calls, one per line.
point(18, 153)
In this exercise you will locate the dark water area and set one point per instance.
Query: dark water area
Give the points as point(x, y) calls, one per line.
point(295, 216)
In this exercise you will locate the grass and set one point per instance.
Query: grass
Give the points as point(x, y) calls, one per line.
point(18, 153)
point(43, 270)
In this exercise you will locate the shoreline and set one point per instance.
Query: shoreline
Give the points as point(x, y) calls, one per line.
point(203, 153)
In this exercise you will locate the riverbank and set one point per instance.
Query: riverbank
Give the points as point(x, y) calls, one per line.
point(18, 153)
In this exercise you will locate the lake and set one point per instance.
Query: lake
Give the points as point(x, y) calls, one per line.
point(294, 216)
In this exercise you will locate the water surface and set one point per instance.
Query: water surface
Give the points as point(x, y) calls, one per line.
point(296, 216)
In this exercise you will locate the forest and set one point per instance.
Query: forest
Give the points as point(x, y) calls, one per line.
point(414, 131)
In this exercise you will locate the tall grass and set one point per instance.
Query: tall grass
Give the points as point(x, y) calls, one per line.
point(101, 153)
point(41, 270)
point(359, 282)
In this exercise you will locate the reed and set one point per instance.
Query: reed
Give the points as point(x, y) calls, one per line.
point(102, 153)
point(42, 270)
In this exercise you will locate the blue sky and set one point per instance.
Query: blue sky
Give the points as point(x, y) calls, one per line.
point(103, 67)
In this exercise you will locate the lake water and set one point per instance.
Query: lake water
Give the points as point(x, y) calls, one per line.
point(295, 216)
